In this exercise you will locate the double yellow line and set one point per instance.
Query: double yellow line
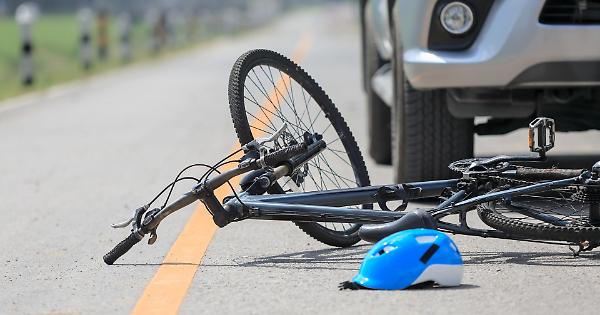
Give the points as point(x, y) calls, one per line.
point(168, 288)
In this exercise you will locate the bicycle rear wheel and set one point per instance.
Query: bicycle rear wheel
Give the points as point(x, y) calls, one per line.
point(267, 90)
point(570, 214)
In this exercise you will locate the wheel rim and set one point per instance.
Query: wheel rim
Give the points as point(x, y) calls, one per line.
point(272, 98)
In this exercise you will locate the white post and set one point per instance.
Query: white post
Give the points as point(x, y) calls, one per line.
point(86, 19)
point(125, 36)
point(102, 24)
point(25, 15)
point(151, 22)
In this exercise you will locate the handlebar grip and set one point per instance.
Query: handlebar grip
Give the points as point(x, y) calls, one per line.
point(121, 249)
point(272, 159)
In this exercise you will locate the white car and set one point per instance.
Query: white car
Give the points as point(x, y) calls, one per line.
point(432, 66)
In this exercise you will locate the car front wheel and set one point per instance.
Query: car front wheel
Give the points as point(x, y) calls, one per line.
point(425, 137)
point(378, 118)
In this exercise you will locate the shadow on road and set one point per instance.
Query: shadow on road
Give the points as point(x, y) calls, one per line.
point(158, 264)
point(556, 259)
point(350, 258)
point(431, 286)
point(323, 259)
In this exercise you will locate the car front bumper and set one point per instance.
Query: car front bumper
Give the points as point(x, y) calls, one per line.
point(512, 50)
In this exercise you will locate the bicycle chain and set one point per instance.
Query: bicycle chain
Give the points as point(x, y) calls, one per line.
point(505, 180)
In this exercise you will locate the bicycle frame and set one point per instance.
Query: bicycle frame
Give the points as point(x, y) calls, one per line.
point(459, 196)
point(462, 195)
point(329, 206)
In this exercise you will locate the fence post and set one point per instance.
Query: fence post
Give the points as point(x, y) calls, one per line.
point(25, 15)
point(102, 20)
point(125, 36)
point(191, 26)
point(160, 30)
point(86, 17)
point(150, 20)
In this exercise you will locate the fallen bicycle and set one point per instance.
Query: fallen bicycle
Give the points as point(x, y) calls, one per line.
point(301, 163)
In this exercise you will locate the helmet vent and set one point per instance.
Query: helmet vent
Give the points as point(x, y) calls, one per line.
point(386, 249)
point(424, 239)
point(430, 251)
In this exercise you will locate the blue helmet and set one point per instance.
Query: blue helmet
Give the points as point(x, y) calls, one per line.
point(411, 257)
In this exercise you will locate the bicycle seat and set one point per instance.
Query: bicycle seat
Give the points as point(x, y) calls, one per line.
point(415, 219)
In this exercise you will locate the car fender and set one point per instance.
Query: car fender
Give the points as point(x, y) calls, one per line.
point(377, 13)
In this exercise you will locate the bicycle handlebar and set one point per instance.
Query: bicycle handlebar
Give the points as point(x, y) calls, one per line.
point(204, 192)
point(121, 248)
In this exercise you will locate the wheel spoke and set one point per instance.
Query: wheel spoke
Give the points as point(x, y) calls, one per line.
point(272, 97)
point(555, 204)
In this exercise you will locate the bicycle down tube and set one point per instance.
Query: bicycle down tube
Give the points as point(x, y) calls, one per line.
point(328, 206)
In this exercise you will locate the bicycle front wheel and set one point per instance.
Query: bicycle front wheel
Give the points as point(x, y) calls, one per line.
point(266, 91)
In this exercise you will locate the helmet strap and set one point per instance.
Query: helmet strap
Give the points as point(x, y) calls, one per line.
point(349, 285)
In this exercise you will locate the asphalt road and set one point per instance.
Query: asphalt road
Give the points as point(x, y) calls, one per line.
point(80, 157)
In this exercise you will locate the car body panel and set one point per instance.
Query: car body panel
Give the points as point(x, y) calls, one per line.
point(377, 15)
point(511, 41)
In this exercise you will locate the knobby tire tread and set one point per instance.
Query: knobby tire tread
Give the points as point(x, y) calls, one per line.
point(242, 128)
point(433, 138)
point(536, 231)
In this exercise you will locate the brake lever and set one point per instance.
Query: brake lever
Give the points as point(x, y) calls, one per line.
point(123, 224)
point(258, 143)
point(136, 214)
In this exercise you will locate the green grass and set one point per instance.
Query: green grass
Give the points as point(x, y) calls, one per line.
point(56, 52)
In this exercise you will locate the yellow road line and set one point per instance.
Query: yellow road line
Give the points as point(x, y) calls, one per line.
point(167, 290)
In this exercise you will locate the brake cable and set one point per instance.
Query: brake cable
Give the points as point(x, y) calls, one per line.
point(211, 169)
point(219, 164)
point(171, 185)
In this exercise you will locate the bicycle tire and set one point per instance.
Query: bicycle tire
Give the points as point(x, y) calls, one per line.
point(539, 231)
point(240, 116)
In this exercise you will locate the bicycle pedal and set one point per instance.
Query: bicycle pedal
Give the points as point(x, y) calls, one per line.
point(541, 135)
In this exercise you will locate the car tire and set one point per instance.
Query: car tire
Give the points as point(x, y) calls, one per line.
point(425, 137)
point(379, 112)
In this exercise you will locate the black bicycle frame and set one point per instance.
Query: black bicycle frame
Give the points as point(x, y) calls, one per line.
point(331, 205)
point(328, 206)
